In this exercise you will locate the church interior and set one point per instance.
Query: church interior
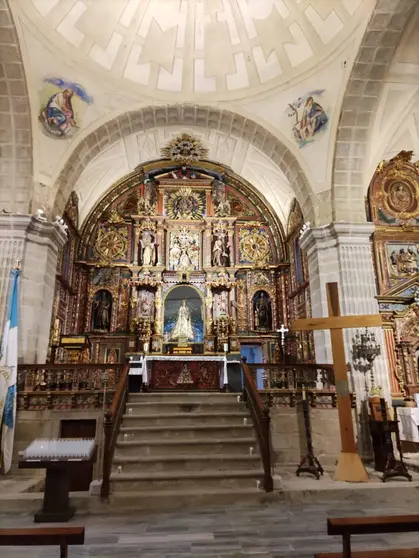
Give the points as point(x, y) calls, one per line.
point(209, 250)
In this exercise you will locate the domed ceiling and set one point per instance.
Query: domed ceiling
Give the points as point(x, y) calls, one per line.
point(220, 48)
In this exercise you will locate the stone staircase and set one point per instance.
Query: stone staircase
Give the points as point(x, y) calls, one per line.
point(180, 448)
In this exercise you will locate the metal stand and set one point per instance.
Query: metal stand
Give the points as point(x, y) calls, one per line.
point(393, 467)
point(309, 463)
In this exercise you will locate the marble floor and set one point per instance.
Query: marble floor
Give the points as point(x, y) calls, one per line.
point(265, 531)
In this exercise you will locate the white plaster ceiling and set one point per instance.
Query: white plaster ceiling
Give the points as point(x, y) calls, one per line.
point(218, 48)
point(244, 159)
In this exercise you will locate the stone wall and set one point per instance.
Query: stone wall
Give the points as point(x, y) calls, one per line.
point(289, 441)
point(46, 424)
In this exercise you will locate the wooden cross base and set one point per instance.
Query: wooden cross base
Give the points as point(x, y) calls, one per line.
point(350, 468)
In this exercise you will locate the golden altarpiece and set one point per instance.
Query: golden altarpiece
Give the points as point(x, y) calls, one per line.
point(180, 257)
point(393, 205)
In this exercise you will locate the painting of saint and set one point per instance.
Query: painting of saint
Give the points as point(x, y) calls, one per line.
point(62, 102)
point(310, 117)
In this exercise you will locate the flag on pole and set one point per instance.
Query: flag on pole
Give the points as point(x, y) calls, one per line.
point(8, 376)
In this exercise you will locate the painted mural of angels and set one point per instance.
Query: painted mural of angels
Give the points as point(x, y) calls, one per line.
point(309, 115)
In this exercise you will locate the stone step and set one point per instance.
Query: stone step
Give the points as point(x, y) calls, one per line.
point(189, 498)
point(182, 480)
point(173, 406)
point(207, 431)
point(184, 397)
point(183, 419)
point(197, 446)
point(171, 463)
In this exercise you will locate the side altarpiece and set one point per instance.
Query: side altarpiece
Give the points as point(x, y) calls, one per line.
point(393, 205)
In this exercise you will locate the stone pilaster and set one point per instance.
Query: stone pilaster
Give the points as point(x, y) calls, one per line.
point(342, 253)
point(37, 244)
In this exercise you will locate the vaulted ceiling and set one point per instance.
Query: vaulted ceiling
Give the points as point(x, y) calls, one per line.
point(226, 70)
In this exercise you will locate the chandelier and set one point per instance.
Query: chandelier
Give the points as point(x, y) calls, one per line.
point(365, 350)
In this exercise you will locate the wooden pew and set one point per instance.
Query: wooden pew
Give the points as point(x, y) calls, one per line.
point(347, 526)
point(48, 536)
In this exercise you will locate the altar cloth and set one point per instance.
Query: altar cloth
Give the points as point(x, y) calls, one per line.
point(408, 423)
point(144, 368)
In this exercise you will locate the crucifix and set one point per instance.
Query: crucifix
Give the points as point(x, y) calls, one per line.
point(282, 331)
point(349, 467)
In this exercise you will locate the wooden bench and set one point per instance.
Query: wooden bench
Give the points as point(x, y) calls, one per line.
point(49, 536)
point(347, 526)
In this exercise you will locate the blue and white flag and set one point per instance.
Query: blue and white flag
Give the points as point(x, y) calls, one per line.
point(8, 376)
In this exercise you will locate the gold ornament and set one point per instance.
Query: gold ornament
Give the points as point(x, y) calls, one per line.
point(254, 247)
point(185, 204)
point(110, 245)
point(185, 149)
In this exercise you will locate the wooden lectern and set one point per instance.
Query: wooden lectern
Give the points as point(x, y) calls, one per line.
point(57, 457)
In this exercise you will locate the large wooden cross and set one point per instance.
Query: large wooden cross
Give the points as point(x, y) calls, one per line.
point(349, 467)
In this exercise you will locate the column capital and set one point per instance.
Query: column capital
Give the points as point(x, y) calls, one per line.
point(32, 229)
point(336, 233)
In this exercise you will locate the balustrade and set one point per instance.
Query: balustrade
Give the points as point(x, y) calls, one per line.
point(64, 386)
point(294, 376)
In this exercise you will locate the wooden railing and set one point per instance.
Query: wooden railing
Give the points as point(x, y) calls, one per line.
point(66, 386)
point(294, 376)
point(261, 420)
point(111, 424)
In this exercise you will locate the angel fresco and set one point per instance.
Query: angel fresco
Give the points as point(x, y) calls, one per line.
point(310, 117)
point(60, 107)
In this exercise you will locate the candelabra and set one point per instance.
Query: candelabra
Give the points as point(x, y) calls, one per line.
point(365, 350)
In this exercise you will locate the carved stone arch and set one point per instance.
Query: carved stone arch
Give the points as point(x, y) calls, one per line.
point(15, 129)
point(359, 105)
point(146, 118)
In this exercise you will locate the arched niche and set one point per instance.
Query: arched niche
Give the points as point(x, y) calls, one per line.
point(183, 316)
point(101, 311)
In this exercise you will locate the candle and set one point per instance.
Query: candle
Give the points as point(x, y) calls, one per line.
point(304, 394)
point(226, 347)
point(130, 411)
point(251, 450)
point(245, 421)
point(238, 399)
point(119, 469)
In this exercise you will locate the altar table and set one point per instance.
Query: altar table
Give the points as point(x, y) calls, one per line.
point(408, 423)
point(181, 372)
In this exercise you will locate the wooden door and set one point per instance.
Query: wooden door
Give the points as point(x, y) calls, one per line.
point(80, 477)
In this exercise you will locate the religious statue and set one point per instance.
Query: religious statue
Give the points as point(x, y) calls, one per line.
point(101, 311)
point(148, 249)
point(174, 255)
point(185, 261)
point(219, 251)
point(183, 326)
point(262, 310)
point(223, 209)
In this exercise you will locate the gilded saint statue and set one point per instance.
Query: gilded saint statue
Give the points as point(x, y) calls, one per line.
point(147, 248)
point(183, 327)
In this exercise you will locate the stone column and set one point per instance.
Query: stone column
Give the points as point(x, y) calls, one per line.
point(342, 253)
point(37, 244)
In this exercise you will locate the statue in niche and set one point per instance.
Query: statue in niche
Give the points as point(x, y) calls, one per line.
point(185, 261)
point(220, 251)
point(222, 207)
point(221, 304)
point(262, 311)
point(101, 311)
point(183, 326)
point(147, 249)
point(145, 304)
point(146, 203)
point(174, 255)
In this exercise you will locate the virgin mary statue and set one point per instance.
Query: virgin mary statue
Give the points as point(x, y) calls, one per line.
point(183, 327)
